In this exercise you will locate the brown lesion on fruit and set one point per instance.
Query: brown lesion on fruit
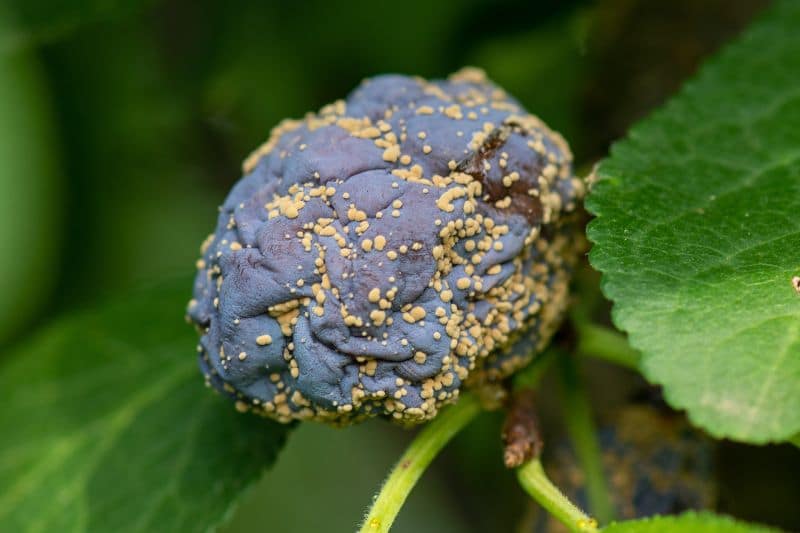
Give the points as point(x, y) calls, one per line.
point(477, 164)
point(796, 284)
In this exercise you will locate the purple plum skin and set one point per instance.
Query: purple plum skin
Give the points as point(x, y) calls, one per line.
point(385, 252)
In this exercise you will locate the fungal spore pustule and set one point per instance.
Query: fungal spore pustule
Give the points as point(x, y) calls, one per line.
point(385, 252)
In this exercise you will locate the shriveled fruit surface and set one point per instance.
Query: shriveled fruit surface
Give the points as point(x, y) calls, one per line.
point(384, 252)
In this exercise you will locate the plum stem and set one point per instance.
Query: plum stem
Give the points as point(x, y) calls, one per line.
point(606, 343)
point(533, 479)
point(581, 430)
point(530, 376)
point(422, 450)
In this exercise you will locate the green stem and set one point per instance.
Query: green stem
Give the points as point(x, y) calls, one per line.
point(605, 343)
point(535, 482)
point(423, 449)
point(578, 419)
point(531, 475)
point(530, 376)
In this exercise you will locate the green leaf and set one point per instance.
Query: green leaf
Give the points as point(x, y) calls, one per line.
point(107, 426)
point(689, 522)
point(698, 237)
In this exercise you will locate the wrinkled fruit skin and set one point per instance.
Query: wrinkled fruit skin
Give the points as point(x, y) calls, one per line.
point(378, 255)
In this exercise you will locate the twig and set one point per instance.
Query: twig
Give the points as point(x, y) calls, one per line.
point(423, 449)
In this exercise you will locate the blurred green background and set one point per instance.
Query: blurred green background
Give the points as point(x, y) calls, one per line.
point(123, 124)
